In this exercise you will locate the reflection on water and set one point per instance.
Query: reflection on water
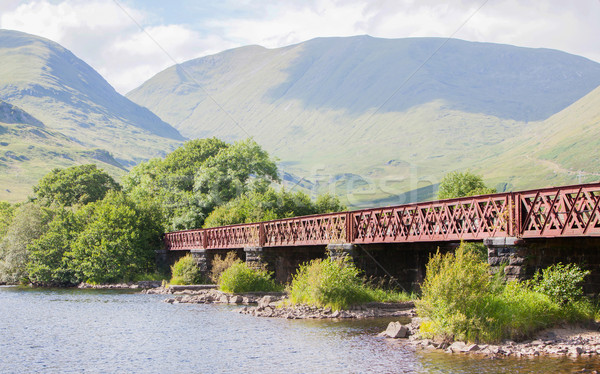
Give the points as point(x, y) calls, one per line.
point(58, 331)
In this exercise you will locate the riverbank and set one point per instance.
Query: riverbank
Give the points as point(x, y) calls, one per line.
point(272, 304)
point(567, 340)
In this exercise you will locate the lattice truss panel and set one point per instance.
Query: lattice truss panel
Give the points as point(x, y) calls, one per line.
point(446, 220)
point(569, 211)
point(550, 212)
point(311, 230)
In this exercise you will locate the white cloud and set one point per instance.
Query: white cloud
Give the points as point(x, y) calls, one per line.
point(104, 35)
point(569, 26)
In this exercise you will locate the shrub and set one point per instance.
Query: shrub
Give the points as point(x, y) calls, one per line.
point(562, 283)
point(328, 283)
point(336, 284)
point(463, 302)
point(185, 271)
point(240, 278)
point(220, 264)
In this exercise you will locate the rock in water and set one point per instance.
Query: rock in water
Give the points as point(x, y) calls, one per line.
point(396, 330)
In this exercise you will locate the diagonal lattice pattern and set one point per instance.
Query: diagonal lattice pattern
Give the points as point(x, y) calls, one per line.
point(567, 211)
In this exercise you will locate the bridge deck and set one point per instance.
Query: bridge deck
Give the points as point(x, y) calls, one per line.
point(566, 211)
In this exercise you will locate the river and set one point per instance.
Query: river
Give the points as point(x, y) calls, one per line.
point(95, 331)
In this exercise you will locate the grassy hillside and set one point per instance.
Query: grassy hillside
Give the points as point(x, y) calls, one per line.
point(563, 149)
point(373, 118)
point(70, 97)
point(29, 150)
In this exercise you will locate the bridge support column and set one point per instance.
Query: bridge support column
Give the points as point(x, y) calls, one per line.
point(203, 259)
point(161, 257)
point(343, 250)
point(510, 253)
point(258, 258)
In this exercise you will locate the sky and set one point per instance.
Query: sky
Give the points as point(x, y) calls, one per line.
point(129, 41)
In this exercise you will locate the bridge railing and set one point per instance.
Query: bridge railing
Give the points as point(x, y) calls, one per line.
point(307, 230)
point(549, 212)
point(559, 211)
point(472, 218)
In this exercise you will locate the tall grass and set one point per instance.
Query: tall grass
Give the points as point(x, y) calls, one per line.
point(336, 284)
point(462, 301)
point(239, 278)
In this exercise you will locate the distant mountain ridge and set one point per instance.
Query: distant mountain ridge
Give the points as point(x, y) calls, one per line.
point(67, 95)
point(331, 107)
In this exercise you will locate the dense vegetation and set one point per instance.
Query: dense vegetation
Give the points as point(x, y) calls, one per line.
point(240, 278)
point(461, 300)
point(337, 284)
point(185, 271)
point(81, 225)
point(462, 184)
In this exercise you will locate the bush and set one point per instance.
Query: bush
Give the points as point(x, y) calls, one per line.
point(336, 284)
point(328, 283)
point(562, 283)
point(185, 271)
point(220, 264)
point(240, 278)
point(462, 301)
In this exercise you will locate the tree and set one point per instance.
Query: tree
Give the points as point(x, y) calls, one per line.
point(30, 221)
point(48, 265)
point(457, 184)
point(6, 215)
point(241, 167)
point(80, 184)
point(118, 240)
point(199, 176)
point(256, 206)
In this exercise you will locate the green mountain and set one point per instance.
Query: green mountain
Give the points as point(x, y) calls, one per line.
point(373, 118)
point(28, 150)
point(68, 96)
point(562, 149)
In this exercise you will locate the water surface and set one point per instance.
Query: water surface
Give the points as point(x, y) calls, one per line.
point(94, 331)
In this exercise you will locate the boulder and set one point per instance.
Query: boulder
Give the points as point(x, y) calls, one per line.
point(396, 330)
point(457, 347)
point(264, 301)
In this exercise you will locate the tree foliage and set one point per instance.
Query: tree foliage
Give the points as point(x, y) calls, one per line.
point(48, 264)
point(203, 174)
point(255, 206)
point(30, 221)
point(6, 215)
point(77, 185)
point(118, 240)
point(457, 184)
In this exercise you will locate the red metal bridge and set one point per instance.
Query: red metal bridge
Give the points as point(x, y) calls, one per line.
point(567, 211)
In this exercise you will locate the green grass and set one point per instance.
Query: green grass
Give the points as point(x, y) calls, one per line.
point(36, 151)
point(336, 284)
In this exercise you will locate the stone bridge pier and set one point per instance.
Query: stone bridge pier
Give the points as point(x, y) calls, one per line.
point(519, 258)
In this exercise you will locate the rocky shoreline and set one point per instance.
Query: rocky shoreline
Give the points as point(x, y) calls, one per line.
point(568, 340)
point(122, 286)
point(272, 304)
